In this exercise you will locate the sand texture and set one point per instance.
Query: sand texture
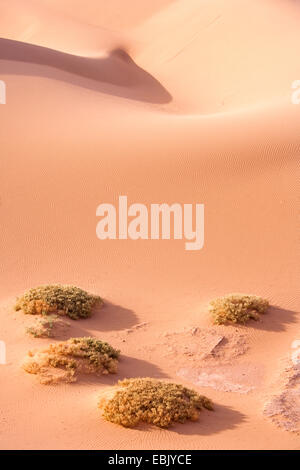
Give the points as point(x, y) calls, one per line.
point(185, 101)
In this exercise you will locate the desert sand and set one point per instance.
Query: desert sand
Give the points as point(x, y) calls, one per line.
point(162, 101)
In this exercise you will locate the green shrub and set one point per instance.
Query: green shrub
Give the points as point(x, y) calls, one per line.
point(63, 300)
point(63, 361)
point(152, 401)
point(237, 308)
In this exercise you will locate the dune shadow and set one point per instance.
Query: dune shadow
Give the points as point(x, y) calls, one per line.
point(115, 74)
point(275, 319)
point(132, 367)
point(112, 317)
point(109, 317)
point(211, 422)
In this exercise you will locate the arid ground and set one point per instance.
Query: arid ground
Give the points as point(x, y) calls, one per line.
point(164, 101)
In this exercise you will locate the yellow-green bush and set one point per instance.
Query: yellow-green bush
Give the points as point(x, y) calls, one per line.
point(63, 300)
point(152, 401)
point(65, 360)
point(237, 308)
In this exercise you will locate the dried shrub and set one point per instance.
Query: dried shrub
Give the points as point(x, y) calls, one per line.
point(237, 308)
point(65, 360)
point(152, 401)
point(63, 300)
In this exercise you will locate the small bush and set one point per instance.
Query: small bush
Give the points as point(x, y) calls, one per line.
point(152, 401)
point(63, 300)
point(65, 360)
point(237, 308)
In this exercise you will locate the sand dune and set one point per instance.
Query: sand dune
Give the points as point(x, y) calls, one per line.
point(162, 101)
point(207, 54)
point(43, 25)
point(117, 69)
point(114, 14)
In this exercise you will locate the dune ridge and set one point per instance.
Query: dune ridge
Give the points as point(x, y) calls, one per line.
point(117, 70)
point(163, 101)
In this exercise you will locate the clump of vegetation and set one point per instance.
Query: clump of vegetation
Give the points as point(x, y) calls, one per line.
point(43, 327)
point(237, 308)
point(152, 401)
point(63, 300)
point(47, 327)
point(65, 360)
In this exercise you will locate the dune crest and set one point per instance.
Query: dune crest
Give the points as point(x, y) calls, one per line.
point(162, 101)
point(117, 70)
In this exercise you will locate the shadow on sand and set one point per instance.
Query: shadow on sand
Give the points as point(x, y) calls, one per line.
point(275, 319)
point(115, 74)
point(211, 422)
point(108, 318)
point(129, 367)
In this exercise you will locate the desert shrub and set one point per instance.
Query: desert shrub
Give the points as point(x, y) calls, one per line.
point(237, 308)
point(64, 300)
point(152, 401)
point(65, 360)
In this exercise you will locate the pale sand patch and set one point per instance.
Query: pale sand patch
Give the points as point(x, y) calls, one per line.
point(241, 378)
point(69, 143)
point(284, 407)
point(214, 344)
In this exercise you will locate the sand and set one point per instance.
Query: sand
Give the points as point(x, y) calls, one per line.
point(162, 101)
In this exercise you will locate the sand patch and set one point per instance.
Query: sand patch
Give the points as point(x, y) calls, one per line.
point(284, 408)
point(51, 326)
point(209, 357)
point(230, 140)
point(198, 344)
point(241, 378)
